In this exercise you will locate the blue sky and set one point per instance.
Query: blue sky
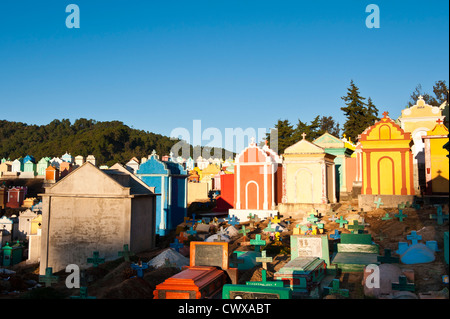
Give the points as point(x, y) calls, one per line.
point(159, 65)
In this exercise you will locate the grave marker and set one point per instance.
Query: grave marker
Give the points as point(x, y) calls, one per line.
point(312, 219)
point(235, 260)
point(388, 258)
point(83, 294)
point(440, 217)
point(378, 202)
point(264, 259)
point(401, 216)
point(414, 238)
point(95, 260)
point(386, 217)
point(336, 290)
point(336, 235)
point(257, 242)
point(140, 267)
point(48, 278)
point(125, 253)
point(341, 221)
point(233, 221)
point(176, 245)
point(403, 285)
point(355, 228)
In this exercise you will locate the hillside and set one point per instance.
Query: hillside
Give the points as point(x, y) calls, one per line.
point(110, 142)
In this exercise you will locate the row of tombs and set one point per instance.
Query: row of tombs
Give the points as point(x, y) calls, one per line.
point(114, 206)
point(212, 270)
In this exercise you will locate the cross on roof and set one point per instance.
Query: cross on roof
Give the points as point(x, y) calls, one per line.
point(385, 113)
point(48, 278)
point(303, 135)
point(439, 121)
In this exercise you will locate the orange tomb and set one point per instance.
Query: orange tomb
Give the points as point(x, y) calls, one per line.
point(207, 273)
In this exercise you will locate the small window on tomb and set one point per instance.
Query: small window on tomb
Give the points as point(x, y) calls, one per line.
point(385, 132)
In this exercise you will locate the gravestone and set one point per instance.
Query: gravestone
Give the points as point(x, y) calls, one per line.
point(264, 259)
point(48, 278)
point(95, 260)
point(310, 246)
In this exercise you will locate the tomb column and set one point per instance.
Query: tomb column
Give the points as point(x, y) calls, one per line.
point(265, 203)
point(368, 174)
point(333, 181)
point(403, 159)
point(324, 183)
point(238, 185)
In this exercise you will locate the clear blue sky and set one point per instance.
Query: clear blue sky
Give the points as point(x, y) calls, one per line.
point(158, 65)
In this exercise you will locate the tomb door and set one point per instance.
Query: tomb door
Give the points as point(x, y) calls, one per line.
point(386, 176)
point(304, 186)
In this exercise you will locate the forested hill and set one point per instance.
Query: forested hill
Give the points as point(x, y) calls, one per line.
point(109, 142)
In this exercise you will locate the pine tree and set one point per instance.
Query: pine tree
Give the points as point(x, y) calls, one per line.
point(371, 113)
point(355, 111)
point(284, 131)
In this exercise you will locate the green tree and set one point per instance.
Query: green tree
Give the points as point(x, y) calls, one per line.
point(355, 112)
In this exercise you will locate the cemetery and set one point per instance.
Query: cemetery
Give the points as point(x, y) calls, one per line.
point(325, 219)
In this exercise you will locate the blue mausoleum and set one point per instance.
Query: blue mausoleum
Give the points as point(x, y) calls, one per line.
point(170, 180)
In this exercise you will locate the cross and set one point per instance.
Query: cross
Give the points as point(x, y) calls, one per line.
point(440, 217)
point(279, 215)
point(439, 121)
point(388, 258)
point(401, 216)
point(355, 227)
point(312, 218)
point(243, 231)
point(95, 260)
point(125, 253)
point(378, 202)
point(403, 285)
point(401, 206)
point(48, 278)
point(275, 220)
point(335, 290)
point(83, 294)
point(386, 217)
point(414, 238)
point(336, 234)
point(269, 228)
point(349, 208)
point(191, 231)
point(235, 260)
point(233, 221)
point(181, 238)
point(264, 259)
point(176, 245)
point(382, 236)
point(219, 238)
point(193, 218)
point(330, 211)
point(303, 135)
point(140, 267)
point(252, 140)
point(385, 113)
point(332, 218)
point(257, 242)
point(341, 222)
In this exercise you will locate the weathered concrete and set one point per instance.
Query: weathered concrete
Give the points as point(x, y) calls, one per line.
point(93, 210)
